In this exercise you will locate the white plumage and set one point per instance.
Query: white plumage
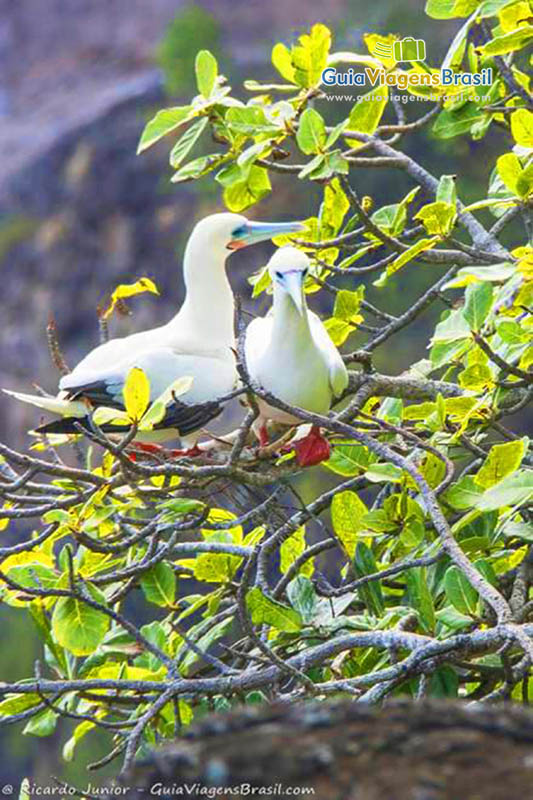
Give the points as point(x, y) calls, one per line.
point(290, 354)
point(198, 342)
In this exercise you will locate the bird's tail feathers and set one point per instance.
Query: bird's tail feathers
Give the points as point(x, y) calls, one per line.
point(56, 405)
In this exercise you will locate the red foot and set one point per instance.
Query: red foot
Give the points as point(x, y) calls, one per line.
point(154, 449)
point(190, 452)
point(310, 450)
point(157, 449)
point(263, 436)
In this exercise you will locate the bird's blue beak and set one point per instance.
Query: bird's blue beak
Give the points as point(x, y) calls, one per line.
point(293, 282)
point(253, 232)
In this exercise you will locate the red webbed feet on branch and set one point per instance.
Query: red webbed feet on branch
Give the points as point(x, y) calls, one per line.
point(311, 449)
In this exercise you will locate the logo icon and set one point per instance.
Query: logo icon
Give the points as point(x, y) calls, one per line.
point(407, 49)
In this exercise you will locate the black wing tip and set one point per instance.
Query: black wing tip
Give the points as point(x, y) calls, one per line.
point(64, 425)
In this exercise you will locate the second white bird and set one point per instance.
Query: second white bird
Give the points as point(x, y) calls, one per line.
point(289, 353)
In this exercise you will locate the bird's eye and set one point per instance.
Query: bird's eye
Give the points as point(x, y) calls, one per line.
point(279, 276)
point(238, 232)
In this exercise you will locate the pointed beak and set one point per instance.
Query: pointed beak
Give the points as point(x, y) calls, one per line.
point(294, 286)
point(253, 232)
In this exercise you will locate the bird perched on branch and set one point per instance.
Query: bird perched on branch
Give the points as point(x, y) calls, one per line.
point(290, 355)
point(198, 343)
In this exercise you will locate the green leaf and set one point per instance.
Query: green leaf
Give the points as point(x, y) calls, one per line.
point(524, 184)
point(459, 591)
point(383, 473)
point(437, 218)
point(250, 121)
point(245, 193)
point(43, 724)
point(338, 330)
point(502, 460)
point(310, 56)
point(511, 332)
point(77, 627)
point(444, 682)
point(177, 507)
point(348, 459)
point(420, 597)
point(463, 494)
point(303, 598)
point(282, 60)
point(204, 635)
point(15, 704)
point(494, 273)
point(184, 145)
point(508, 42)
point(451, 123)
point(79, 732)
point(159, 585)
point(197, 168)
point(478, 303)
point(453, 327)
point(448, 9)
point(291, 549)
point(370, 593)
point(164, 122)
point(446, 190)
point(216, 567)
point(404, 258)
point(206, 69)
point(514, 490)
point(366, 114)
point(347, 514)
point(453, 619)
point(265, 611)
point(311, 135)
point(347, 305)
point(444, 352)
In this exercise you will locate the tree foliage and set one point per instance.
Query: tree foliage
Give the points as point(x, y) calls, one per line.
point(426, 530)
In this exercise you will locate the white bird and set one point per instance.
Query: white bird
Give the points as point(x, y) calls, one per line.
point(289, 354)
point(198, 343)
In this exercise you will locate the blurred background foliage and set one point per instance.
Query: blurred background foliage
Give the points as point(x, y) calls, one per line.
point(80, 212)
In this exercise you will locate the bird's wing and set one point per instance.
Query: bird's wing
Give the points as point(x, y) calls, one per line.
point(180, 419)
point(338, 374)
point(212, 377)
point(56, 405)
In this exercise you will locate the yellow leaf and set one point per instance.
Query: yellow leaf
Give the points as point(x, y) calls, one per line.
point(525, 263)
point(129, 290)
point(514, 15)
point(104, 415)
point(4, 522)
point(509, 170)
point(158, 409)
point(404, 257)
point(522, 127)
point(282, 60)
point(502, 460)
point(136, 393)
point(366, 114)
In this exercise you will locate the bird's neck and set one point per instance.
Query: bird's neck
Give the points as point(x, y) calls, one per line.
point(208, 309)
point(289, 326)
